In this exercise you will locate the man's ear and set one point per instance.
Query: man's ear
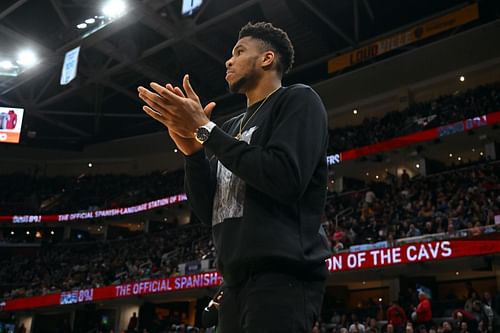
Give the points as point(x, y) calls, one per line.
point(268, 59)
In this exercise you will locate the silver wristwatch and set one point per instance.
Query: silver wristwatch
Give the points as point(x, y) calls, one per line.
point(202, 133)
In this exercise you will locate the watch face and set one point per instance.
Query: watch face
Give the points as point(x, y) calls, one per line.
point(202, 134)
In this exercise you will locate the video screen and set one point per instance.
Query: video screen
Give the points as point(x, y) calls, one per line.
point(188, 6)
point(11, 120)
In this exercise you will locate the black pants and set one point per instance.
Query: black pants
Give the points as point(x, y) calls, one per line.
point(271, 303)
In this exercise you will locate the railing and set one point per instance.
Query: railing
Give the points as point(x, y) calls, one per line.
point(345, 213)
point(463, 233)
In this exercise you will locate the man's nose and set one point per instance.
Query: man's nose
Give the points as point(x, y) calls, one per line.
point(229, 62)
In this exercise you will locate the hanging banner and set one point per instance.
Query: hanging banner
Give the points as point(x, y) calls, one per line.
point(412, 35)
point(70, 66)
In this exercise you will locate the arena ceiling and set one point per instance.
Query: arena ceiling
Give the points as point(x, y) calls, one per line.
point(153, 41)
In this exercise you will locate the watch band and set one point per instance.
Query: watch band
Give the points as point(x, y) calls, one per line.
point(202, 133)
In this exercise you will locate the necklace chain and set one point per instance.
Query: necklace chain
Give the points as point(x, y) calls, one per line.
point(242, 126)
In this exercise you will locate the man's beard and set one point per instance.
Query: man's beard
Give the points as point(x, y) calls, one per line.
point(236, 87)
point(245, 80)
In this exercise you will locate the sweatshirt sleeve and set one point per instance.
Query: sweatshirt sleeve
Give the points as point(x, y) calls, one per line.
point(199, 185)
point(283, 167)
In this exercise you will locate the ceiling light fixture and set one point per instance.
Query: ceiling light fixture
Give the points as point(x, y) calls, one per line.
point(27, 58)
point(114, 8)
point(6, 64)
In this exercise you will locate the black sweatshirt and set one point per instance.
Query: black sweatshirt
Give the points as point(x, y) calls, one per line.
point(264, 195)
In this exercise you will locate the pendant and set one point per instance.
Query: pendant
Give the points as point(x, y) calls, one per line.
point(238, 136)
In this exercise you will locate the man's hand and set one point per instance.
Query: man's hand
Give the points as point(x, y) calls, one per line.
point(181, 113)
point(187, 145)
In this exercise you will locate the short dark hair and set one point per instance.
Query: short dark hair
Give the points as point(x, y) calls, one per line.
point(276, 39)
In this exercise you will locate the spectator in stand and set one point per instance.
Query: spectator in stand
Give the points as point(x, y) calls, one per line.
point(389, 329)
point(488, 300)
point(356, 326)
point(422, 329)
point(471, 292)
point(413, 231)
point(482, 327)
point(396, 316)
point(316, 328)
point(469, 302)
point(132, 324)
point(464, 327)
point(446, 327)
point(460, 316)
point(370, 197)
point(429, 228)
point(423, 312)
point(338, 246)
point(372, 325)
point(405, 178)
point(21, 329)
point(409, 328)
point(344, 320)
point(483, 313)
point(335, 319)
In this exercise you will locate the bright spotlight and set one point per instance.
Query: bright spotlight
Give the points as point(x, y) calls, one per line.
point(462, 78)
point(417, 165)
point(90, 165)
point(114, 8)
point(6, 64)
point(90, 20)
point(81, 25)
point(27, 58)
point(355, 111)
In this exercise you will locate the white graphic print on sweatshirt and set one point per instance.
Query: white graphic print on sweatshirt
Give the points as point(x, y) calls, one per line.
point(230, 191)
